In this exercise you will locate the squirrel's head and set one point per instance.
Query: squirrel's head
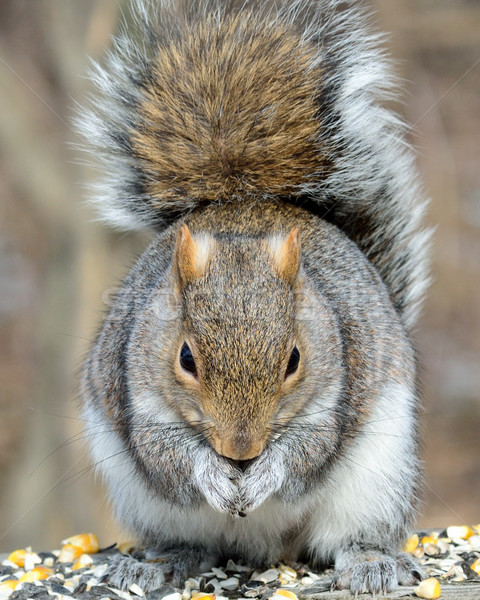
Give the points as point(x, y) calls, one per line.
point(239, 355)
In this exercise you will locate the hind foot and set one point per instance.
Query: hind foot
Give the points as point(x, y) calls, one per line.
point(374, 573)
point(150, 571)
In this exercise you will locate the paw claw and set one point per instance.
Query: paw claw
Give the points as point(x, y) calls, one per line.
point(407, 570)
point(417, 575)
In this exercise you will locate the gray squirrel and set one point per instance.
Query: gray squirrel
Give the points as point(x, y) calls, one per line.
point(252, 392)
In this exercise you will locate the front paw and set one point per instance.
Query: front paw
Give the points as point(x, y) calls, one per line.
point(381, 574)
point(263, 478)
point(218, 480)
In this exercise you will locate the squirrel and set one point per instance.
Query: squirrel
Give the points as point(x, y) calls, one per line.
point(252, 392)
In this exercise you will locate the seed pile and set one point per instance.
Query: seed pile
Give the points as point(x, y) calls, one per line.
point(77, 570)
point(451, 555)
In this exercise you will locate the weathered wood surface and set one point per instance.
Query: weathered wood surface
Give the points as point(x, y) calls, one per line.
point(450, 591)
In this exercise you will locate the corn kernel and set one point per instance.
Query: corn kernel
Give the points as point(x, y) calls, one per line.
point(411, 543)
point(431, 549)
point(8, 585)
point(462, 531)
point(429, 589)
point(85, 560)
point(288, 572)
point(285, 594)
point(69, 553)
point(418, 552)
point(474, 542)
point(429, 539)
point(203, 596)
point(18, 557)
point(36, 573)
point(88, 542)
point(475, 566)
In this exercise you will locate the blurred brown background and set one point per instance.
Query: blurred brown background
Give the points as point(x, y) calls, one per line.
point(57, 264)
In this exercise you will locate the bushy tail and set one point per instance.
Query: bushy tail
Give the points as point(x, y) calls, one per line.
point(206, 102)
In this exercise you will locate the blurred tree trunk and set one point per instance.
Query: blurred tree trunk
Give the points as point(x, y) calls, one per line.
point(54, 266)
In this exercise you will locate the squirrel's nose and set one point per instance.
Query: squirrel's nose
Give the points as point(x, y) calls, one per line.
point(240, 448)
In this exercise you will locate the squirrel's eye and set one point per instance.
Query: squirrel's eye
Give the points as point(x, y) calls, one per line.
point(186, 359)
point(293, 362)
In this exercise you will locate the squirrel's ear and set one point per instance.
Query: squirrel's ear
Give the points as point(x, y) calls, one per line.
point(285, 252)
point(192, 254)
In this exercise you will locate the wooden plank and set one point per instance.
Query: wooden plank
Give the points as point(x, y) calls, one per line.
point(450, 591)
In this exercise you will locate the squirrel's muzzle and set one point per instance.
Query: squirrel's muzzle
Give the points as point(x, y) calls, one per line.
point(241, 446)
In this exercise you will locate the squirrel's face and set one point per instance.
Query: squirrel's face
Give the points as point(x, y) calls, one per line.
point(237, 342)
point(239, 356)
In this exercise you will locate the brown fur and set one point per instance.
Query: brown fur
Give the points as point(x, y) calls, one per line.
point(285, 253)
point(229, 111)
point(191, 255)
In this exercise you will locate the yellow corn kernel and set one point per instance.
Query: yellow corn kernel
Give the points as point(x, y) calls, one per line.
point(429, 539)
point(429, 589)
point(85, 560)
point(476, 566)
point(8, 585)
point(36, 573)
point(18, 557)
point(285, 594)
point(411, 543)
point(88, 542)
point(69, 553)
point(202, 596)
point(462, 531)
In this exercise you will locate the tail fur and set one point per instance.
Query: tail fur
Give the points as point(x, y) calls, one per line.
point(213, 100)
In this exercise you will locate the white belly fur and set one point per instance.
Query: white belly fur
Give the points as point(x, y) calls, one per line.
point(357, 493)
